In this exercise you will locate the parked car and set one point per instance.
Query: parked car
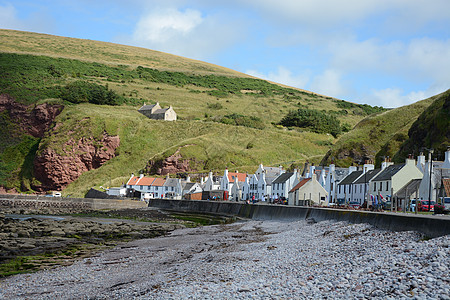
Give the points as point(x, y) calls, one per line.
point(412, 205)
point(423, 205)
point(447, 203)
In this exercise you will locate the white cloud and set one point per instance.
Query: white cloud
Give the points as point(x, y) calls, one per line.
point(162, 26)
point(395, 97)
point(186, 32)
point(329, 83)
point(324, 13)
point(8, 18)
point(283, 76)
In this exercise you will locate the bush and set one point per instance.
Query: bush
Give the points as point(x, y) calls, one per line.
point(240, 120)
point(313, 120)
point(215, 106)
point(81, 91)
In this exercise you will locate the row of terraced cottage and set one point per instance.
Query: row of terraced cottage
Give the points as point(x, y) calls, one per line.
point(314, 186)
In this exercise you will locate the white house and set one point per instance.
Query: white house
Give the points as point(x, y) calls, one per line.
point(173, 188)
point(333, 178)
point(344, 188)
point(308, 191)
point(229, 179)
point(361, 186)
point(157, 113)
point(211, 184)
point(439, 170)
point(191, 188)
point(391, 179)
point(283, 184)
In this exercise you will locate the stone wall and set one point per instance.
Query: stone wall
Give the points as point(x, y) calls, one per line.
point(432, 226)
point(40, 202)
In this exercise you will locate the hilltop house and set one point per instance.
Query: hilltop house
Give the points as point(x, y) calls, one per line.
point(157, 113)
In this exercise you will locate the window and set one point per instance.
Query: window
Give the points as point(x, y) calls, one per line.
point(381, 185)
point(387, 186)
point(167, 188)
point(374, 186)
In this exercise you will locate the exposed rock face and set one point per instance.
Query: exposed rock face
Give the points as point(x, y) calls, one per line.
point(34, 120)
point(171, 165)
point(56, 171)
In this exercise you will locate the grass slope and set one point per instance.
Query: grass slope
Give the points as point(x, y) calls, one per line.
point(430, 130)
point(376, 136)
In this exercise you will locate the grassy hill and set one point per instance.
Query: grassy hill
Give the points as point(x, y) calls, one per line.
point(209, 100)
point(381, 135)
point(430, 130)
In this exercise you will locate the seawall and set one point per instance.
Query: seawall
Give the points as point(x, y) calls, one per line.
point(432, 226)
point(38, 202)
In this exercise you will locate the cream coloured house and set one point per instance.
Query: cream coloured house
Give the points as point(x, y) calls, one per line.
point(157, 113)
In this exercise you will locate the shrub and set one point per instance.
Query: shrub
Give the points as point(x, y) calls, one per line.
point(314, 120)
point(81, 91)
point(215, 106)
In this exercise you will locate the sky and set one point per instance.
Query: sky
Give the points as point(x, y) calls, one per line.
point(380, 52)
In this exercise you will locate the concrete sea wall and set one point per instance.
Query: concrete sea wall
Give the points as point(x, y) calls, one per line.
point(432, 226)
point(39, 202)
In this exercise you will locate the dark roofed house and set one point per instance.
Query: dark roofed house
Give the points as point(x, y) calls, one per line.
point(157, 113)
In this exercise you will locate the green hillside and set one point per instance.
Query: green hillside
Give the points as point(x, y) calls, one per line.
point(430, 130)
point(225, 118)
point(378, 136)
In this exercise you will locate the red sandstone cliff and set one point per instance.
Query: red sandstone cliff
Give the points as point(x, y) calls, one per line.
point(35, 119)
point(56, 171)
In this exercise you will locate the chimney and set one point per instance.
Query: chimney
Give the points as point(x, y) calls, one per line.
point(201, 180)
point(188, 178)
point(311, 170)
point(421, 161)
point(368, 167)
point(446, 164)
point(141, 175)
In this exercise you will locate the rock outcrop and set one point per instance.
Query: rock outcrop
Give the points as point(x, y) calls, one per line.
point(55, 171)
point(34, 120)
point(170, 165)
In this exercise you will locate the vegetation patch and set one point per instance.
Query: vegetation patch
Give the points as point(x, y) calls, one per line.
point(314, 120)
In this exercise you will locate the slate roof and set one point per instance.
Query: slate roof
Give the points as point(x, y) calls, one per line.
point(147, 107)
point(300, 184)
point(351, 177)
point(171, 182)
point(367, 177)
point(412, 186)
point(387, 173)
point(340, 173)
point(160, 111)
point(283, 177)
point(188, 185)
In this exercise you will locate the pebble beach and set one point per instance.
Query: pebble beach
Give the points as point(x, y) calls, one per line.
point(254, 260)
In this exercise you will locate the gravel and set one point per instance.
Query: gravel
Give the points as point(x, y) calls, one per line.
point(254, 260)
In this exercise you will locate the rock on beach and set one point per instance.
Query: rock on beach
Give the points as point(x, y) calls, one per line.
point(254, 260)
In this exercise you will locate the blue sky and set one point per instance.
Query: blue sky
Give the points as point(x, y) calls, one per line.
point(380, 52)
